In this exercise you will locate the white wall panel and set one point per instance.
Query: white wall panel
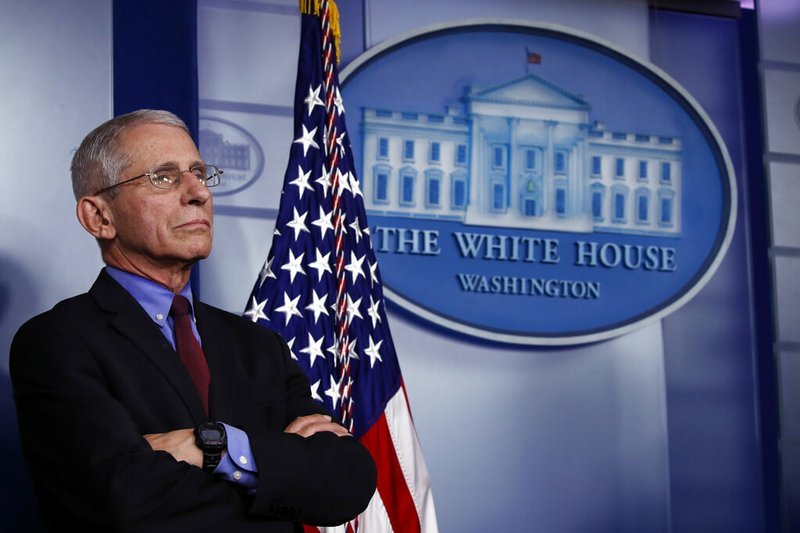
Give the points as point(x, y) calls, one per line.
point(782, 109)
point(787, 291)
point(784, 179)
point(56, 86)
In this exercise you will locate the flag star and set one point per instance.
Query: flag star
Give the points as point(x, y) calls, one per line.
point(317, 306)
point(357, 229)
point(324, 180)
point(324, 221)
point(355, 186)
point(313, 99)
point(354, 267)
point(341, 223)
point(333, 351)
point(294, 265)
point(290, 344)
point(321, 264)
point(333, 392)
point(314, 349)
point(256, 310)
point(289, 308)
point(301, 181)
point(373, 273)
point(352, 309)
point(266, 272)
point(307, 139)
point(340, 142)
point(298, 223)
point(351, 350)
point(343, 181)
point(373, 351)
point(338, 102)
point(373, 311)
point(315, 391)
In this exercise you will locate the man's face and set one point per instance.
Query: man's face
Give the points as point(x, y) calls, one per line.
point(160, 228)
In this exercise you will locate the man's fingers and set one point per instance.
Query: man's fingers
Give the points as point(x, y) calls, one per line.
point(305, 426)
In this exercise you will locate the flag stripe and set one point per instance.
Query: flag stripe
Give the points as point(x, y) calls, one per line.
point(410, 459)
point(397, 499)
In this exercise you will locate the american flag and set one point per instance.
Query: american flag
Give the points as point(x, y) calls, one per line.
point(321, 290)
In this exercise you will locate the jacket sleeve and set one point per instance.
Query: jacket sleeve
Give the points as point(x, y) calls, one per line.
point(322, 480)
point(92, 468)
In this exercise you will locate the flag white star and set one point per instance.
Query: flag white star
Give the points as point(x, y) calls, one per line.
point(256, 310)
point(373, 311)
point(373, 351)
point(294, 265)
point(290, 344)
point(307, 139)
point(343, 181)
point(289, 308)
point(354, 185)
point(338, 102)
point(301, 181)
point(317, 306)
point(313, 99)
point(373, 273)
point(266, 272)
point(333, 351)
point(352, 309)
point(298, 223)
point(333, 392)
point(341, 223)
point(321, 264)
point(351, 350)
point(315, 391)
point(340, 143)
point(324, 180)
point(324, 221)
point(357, 229)
point(354, 267)
point(314, 349)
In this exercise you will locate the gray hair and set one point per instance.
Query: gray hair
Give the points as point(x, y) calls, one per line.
point(99, 160)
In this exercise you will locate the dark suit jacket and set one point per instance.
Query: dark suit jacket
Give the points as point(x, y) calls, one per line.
point(94, 374)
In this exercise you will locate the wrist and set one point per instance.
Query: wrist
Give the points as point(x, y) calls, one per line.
point(211, 439)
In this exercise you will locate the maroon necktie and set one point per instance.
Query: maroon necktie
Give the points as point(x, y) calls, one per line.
point(188, 348)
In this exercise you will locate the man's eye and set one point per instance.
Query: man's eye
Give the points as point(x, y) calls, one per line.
point(200, 172)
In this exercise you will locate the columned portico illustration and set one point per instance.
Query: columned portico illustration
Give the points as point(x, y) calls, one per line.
point(523, 154)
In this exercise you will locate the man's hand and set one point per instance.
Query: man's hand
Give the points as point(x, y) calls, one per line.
point(305, 426)
point(179, 443)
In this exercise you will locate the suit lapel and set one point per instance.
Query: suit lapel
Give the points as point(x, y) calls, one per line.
point(217, 346)
point(132, 322)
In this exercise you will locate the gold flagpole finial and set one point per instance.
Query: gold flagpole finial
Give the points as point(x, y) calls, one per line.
point(312, 7)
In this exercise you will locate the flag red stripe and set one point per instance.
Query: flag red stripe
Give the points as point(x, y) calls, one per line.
point(392, 485)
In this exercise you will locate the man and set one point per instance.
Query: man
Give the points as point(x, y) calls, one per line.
point(133, 416)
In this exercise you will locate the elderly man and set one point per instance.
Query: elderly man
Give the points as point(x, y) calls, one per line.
point(142, 409)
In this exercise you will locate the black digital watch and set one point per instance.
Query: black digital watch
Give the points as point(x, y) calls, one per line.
point(210, 437)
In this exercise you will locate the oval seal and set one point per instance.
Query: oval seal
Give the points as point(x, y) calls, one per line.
point(530, 184)
point(234, 149)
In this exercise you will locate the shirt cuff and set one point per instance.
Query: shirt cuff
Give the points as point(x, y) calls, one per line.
point(238, 466)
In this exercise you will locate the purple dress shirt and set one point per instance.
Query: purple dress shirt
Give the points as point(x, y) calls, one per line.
point(238, 465)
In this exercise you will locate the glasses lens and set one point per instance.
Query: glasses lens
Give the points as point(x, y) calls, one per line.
point(210, 175)
point(165, 178)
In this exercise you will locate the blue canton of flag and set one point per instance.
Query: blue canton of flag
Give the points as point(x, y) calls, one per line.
point(335, 325)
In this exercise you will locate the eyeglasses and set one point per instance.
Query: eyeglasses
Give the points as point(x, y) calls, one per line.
point(169, 177)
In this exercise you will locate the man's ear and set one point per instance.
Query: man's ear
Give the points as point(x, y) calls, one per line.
point(96, 217)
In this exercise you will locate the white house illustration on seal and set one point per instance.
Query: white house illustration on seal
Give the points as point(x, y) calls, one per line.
point(525, 155)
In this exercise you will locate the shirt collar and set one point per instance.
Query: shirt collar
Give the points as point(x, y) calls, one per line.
point(154, 298)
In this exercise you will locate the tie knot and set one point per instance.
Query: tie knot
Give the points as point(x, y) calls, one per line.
point(180, 306)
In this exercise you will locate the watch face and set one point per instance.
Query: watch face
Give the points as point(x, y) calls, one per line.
point(210, 433)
